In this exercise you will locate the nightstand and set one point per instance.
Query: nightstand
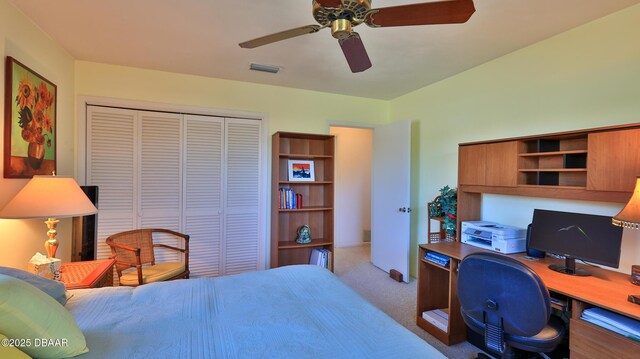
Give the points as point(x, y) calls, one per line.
point(87, 274)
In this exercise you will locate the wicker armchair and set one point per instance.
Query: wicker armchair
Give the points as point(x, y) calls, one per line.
point(133, 249)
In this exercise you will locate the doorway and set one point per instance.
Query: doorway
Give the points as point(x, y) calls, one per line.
point(354, 154)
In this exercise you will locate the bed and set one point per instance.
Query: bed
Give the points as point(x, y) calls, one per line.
point(298, 311)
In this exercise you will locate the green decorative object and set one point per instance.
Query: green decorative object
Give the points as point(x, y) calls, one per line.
point(435, 208)
point(304, 235)
point(448, 202)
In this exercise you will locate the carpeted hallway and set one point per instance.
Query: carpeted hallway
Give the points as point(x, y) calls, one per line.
point(353, 266)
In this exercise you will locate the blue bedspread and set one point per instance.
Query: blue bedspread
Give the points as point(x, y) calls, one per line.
point(288, 312)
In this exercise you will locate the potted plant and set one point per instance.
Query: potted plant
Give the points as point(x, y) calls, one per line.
point(448, 202)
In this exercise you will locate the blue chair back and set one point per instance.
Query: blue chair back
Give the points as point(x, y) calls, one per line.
point(500, 291)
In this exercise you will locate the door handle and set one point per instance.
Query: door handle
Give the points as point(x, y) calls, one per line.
point(404, 209)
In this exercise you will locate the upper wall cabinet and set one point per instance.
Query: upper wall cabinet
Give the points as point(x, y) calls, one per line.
point(599, 164)
point(614, 160)
point(491, 164)
point(502, 161)
point(472, 164)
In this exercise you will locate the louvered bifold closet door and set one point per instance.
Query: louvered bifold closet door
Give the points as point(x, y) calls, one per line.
point(203, 148)
point(241, 207)
point(161, 177)
point(111, 165)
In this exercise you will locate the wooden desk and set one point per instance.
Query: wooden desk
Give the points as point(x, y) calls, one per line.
point(87, 274)
point(437, 289)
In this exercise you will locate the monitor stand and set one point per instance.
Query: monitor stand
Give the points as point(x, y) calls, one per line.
point(569, 267)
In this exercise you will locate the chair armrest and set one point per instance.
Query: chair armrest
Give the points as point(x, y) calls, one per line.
point(169, 247)
point(177, 234)
point(126, 248)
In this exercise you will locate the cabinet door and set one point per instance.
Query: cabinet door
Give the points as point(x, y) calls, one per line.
point(160, 177)
point(471, 164)
point(501, 164)
point(242, 251)
point(111, 165)
point(613, 162)
point(203, 153)
point(493, 164)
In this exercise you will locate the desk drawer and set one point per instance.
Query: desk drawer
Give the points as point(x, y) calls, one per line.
point(590, 341)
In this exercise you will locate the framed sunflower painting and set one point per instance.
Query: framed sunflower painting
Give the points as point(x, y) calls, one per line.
point(30, 122)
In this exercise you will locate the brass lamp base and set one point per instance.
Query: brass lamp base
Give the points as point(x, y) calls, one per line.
point(51, 244)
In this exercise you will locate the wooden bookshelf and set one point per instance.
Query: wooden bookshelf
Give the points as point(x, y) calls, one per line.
point(317, 206)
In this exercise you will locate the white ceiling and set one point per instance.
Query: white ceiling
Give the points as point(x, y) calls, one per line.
point(201, 37)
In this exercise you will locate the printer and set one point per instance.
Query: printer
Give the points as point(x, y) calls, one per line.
point(494, 236)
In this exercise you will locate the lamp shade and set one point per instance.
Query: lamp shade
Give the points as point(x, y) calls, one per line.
point(629, 217)
point(49, 196)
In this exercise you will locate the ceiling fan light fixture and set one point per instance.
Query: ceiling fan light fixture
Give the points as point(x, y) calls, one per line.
point(264, 68)
point(341, 28)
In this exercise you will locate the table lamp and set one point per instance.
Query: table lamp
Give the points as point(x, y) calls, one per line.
point(629, 217)
point(49, 197)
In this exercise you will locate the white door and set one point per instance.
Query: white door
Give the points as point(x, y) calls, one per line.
point(203, 173)
point(111, 165)
point(242, 252)
point(160, 178)
point(390, 189)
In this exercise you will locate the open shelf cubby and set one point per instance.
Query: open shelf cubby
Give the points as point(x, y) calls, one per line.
point(556, 161)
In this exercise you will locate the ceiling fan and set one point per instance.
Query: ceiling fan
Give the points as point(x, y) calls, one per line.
point(342, 15)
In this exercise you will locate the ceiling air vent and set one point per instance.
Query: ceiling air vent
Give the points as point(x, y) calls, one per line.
point(264, 68)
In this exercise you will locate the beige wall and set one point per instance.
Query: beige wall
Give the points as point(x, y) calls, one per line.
point(288, 109)
point(352, 185)
point(20, 239)
point(586, 77)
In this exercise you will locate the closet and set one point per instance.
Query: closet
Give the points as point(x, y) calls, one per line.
point(195, 174)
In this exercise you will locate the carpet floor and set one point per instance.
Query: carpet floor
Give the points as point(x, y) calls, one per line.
point(353, 266)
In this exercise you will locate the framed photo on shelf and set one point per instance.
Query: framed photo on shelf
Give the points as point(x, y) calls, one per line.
point(301, 171)
point(30, 122)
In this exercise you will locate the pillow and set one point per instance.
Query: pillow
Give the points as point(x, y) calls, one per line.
point(47, 329)
point(11, 352)
point(51, 287)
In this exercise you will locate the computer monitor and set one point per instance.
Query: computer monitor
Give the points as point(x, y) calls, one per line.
point(580, 236)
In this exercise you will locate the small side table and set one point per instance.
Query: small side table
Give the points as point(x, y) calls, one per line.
point(87, 274)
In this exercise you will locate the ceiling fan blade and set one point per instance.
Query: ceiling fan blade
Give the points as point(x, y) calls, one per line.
point(330, 3)
point(279, 36)
point(356, 54)
point(441, 12)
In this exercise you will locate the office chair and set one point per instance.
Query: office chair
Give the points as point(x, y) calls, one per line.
point(507, 302)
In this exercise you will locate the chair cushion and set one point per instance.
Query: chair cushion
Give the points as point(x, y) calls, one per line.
point(545, 341)
point(28, 313)
point(154, 273)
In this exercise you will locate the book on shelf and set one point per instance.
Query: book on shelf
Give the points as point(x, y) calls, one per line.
point(438, 318)
point(438, 258)
point(321, 257)
point(289, 199)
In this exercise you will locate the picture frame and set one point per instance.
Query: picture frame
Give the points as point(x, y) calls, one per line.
point(301, 171)
point(30, 122)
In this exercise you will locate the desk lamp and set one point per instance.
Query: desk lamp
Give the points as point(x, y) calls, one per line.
point(629, 217)
point(49, 197)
